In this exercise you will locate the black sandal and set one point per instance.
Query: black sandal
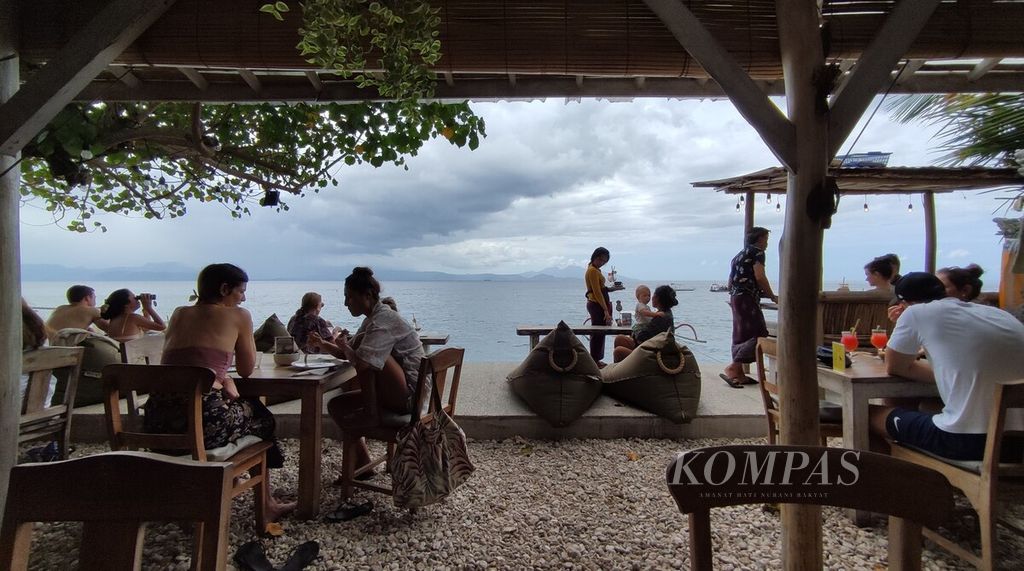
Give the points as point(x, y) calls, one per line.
point(346, 513)
point(734, 383)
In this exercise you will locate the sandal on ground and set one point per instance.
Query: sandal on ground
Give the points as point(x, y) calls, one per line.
point(347, 512)
point(736, 383)
point(250, 557)
point(302, 556)
point(748, 380)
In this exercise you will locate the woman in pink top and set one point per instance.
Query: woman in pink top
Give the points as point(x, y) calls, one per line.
point(209, 334)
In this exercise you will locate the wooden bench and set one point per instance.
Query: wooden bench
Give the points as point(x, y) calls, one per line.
point(536, 331)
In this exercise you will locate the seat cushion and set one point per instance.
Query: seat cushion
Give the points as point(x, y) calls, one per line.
point(99, 352)
point(230, 449)
point(669, 388)
point(558, 380)
point(265, 333)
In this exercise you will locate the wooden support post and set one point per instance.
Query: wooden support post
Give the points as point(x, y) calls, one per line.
point(929, 232)
point(800, 264)
point(748, 216)
point(10, 265)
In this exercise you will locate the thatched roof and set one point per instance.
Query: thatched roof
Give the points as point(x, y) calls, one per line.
point(527, 48)
point(880, 180)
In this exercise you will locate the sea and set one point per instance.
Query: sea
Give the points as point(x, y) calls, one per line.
point(480, 316)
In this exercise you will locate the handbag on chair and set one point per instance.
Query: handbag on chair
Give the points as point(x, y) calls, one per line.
point(430, 459)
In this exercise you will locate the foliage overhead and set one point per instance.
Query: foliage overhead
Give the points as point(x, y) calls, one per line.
point(357, 37)
point(975, 129)
point(154, 158)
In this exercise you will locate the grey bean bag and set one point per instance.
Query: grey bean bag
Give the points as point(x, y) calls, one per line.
point(267, 332)
point(99, 352)
point(559, 380)
point(659, 376)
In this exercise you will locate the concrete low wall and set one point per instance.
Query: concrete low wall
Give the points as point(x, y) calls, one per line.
point(488, 410)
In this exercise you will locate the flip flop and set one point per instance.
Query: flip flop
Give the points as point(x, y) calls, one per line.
point(346, 513)
point(748, 380)
point(734, 383)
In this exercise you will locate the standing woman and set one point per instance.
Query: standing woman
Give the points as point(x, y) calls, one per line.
point(599, 305)
point(120, 307)
point(386, 353)
point(210, 334)
point(748, 283)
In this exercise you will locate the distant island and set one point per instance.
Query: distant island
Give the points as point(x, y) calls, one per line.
point(181, 272)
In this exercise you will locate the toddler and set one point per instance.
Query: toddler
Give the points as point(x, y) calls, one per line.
point(642, 314)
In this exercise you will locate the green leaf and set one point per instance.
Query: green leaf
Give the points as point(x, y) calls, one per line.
point(281, 6)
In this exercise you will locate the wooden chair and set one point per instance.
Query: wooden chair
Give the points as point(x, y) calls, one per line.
point(830, 415)
point(37, 419)
point(146, 350)
point(913, 496)
point(188, 383)
point(114, 495)
point(979, 481)
point(384, 426)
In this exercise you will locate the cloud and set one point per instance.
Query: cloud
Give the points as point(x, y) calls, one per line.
point(551, 181)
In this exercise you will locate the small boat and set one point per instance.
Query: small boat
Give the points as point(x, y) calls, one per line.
point(719, 288)
point(684, 289)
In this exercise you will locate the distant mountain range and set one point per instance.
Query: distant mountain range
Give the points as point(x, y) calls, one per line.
point(181, 272)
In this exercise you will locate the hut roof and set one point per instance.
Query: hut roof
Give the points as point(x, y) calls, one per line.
point(878, 180)
point(228, 50)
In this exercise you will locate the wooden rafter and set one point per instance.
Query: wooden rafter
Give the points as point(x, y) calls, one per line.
point(251, 80)
point(776, 130)
point(983, 67)
point(875, 67)
point(195, 77)
point(88, 53)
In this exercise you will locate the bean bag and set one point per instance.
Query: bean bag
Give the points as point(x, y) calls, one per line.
point(99, 352)
point(559, 380)
point(659, 376)
point(265, 333)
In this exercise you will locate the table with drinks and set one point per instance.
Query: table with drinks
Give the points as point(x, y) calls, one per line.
point(307, 382)
point(857, 384)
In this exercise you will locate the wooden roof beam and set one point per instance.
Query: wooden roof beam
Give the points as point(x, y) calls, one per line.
point(909, 70)
point(89, 52)
point(251, 80)
point(874, 68)
point(773, 126)
point(124, 74)
point(314, 79)
point(983, 67)
point(195, 77)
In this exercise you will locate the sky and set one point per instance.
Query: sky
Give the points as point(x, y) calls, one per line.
point(551, 181)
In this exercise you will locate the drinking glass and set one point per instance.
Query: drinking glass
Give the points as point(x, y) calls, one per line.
point(879, 338)
point(849, 340)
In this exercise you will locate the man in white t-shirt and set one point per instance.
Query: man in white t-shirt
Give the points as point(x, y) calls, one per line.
point(970, 348)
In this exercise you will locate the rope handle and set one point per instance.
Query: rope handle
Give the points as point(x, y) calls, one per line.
point(665, 369)
point(572, 365)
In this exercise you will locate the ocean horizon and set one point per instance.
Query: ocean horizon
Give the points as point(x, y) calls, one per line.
point(480, 316)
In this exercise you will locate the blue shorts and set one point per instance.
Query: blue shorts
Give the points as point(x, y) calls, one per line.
point(918, 429)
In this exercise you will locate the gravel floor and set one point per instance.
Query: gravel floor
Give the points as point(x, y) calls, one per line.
point(585, 504)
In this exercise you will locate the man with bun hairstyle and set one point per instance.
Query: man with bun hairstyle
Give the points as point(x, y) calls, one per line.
point(970, 348)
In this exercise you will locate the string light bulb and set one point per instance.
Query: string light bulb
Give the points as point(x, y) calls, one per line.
point(778, 207)
point(910, 206)
point(737, 207)
point(741, 198)
point(768, 198)
point(865, 206)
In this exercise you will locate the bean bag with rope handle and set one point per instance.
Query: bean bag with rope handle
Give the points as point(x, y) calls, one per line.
point(558, 380)
point(660, 376)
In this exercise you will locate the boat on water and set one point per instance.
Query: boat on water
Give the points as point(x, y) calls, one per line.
point(719, 288)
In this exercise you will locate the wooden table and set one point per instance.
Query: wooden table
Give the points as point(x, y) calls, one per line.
point(858, 384)
point(429, 338)
point(271, 380)
point(535, 331)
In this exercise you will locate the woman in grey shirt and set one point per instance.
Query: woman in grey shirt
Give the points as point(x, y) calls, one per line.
point(386, 352)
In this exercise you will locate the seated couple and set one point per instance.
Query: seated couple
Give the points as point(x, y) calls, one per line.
point(647, 323)
point(117, 317)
